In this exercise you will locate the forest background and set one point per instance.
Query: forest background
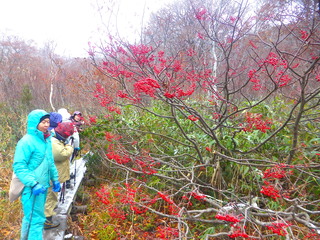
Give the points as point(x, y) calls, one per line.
point(207, 127)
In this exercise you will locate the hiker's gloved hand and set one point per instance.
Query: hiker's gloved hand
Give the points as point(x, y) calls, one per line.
point(37, 189)
point(77, 149)
point(56, 186)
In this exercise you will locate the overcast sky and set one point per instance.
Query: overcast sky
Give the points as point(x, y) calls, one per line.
point(70, 24)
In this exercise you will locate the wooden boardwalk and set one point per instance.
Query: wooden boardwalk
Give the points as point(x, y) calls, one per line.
point(64, 208)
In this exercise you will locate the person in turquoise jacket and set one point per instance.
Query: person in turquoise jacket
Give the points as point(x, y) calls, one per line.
point(34, 166)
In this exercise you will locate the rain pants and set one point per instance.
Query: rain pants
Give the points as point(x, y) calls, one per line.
point(33, 162)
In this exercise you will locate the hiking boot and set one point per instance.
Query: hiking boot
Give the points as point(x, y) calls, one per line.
point(68, 184)
point(48, 224)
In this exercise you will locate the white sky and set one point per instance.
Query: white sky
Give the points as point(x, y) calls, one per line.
point(70, 24)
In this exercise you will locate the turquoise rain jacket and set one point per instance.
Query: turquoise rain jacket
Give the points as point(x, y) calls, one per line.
point(33, 162)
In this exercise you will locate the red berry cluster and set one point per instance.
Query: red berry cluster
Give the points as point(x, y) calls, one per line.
point(255, 122)
point(270, 191)
point(272, 187)
point(279, 228)
point(229, 218)
point(238, 232)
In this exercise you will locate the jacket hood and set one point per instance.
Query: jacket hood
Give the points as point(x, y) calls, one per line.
point(34, 119)
point(55, 119)
point(65, 114)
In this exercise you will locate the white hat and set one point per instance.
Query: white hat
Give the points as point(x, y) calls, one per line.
point(65, 114)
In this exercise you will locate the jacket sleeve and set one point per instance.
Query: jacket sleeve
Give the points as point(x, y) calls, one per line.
point(61, 151)
point(54, 176)
point(22, 156)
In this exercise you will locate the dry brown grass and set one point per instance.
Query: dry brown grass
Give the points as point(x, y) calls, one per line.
point(10, 213)
point(12, 127)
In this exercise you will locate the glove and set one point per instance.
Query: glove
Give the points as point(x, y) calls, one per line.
point(77, 149)
point(56, 186)
point(37, 189)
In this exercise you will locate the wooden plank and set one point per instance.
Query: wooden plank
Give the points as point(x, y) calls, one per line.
point(63, 209)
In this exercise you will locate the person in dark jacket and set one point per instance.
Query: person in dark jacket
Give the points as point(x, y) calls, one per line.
point(34, 166)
